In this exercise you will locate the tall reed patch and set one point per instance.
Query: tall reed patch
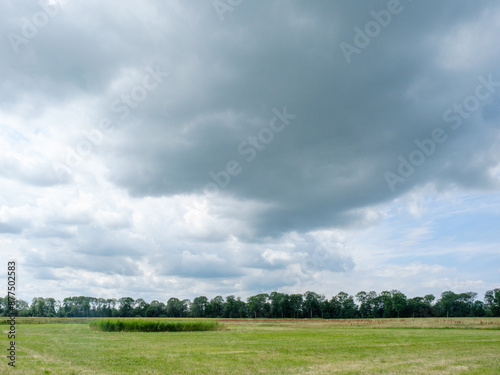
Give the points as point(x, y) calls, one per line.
point(118, 325)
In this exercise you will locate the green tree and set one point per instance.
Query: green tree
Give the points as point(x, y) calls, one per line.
point(280, 304)
point(242, 308)
point(398, 302)
point(492, 302)
point(126, 306)
point(445, 305)
point(258, 306)
point(173, 307)
point(312, 303)
point(140, 307)
point(478, 309)
point(199, 307)
point(296, 302)
point(39, 307)
point(364, 308)
point(216, 307)
point(156, 309)
point(348, 308)
point(230, 309)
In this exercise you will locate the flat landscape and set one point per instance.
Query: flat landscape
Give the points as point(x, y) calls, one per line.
point(362, 346)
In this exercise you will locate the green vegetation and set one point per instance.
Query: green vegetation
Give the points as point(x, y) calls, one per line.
point(387, 304)
point(264, 346)
point(121, 325)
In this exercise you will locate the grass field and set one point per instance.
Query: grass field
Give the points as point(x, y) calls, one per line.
point(392, 346)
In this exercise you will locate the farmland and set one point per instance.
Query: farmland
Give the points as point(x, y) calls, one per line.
point(363, 346)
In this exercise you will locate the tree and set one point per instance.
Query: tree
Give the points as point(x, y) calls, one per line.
point(241, 308)
point(104, 308)
point(156, 309)
point(216, 307)
point(364, 308)
point(112, 302)
point(388, 309)
point(348, 308)
point(398, 302)
point(140, 307)
point(445, 305)
point(84, 303)
point(126, 306)
point(280, 304)
point(296, 301)
point(52, 306)
point(312, 303)
point(378, 306)
point(20, 307)
point(199, 307)
point(464, 303)
point(478, 309)
point(230, 308)
point(371, 303)
point(492, 302)
point(258, 306)
point(429, 298)
point(44, 307)
point(343, 306)
point(174, 307)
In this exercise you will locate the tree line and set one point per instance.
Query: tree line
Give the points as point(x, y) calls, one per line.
point(387, 304)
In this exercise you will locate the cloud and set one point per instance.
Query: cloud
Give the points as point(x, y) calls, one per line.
point(247, 154)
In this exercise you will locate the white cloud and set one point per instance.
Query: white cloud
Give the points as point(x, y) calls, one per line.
point(311, 211)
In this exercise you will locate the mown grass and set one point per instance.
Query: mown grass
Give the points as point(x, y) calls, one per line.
point(37, 320)
point(392, 346)
point(119, 325)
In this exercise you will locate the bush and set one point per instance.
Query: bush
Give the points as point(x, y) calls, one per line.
point(118, 325)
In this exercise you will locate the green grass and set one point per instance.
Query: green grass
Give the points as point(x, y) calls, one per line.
point(36, 320)
point(393, 346)
point(149, 325)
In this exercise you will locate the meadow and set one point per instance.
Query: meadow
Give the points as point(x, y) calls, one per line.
point(362, 346)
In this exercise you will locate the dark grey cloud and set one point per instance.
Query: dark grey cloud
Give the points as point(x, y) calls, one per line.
point(353, 120)
point(264, 104)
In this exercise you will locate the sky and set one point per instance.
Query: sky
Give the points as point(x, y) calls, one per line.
point(159, 149)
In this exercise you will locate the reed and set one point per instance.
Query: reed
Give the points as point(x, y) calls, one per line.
point(139, 325)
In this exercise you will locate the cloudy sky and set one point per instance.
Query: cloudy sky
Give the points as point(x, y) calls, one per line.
point(171, 148)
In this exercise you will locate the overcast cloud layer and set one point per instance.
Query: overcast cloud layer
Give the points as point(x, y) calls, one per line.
point(169, 148)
